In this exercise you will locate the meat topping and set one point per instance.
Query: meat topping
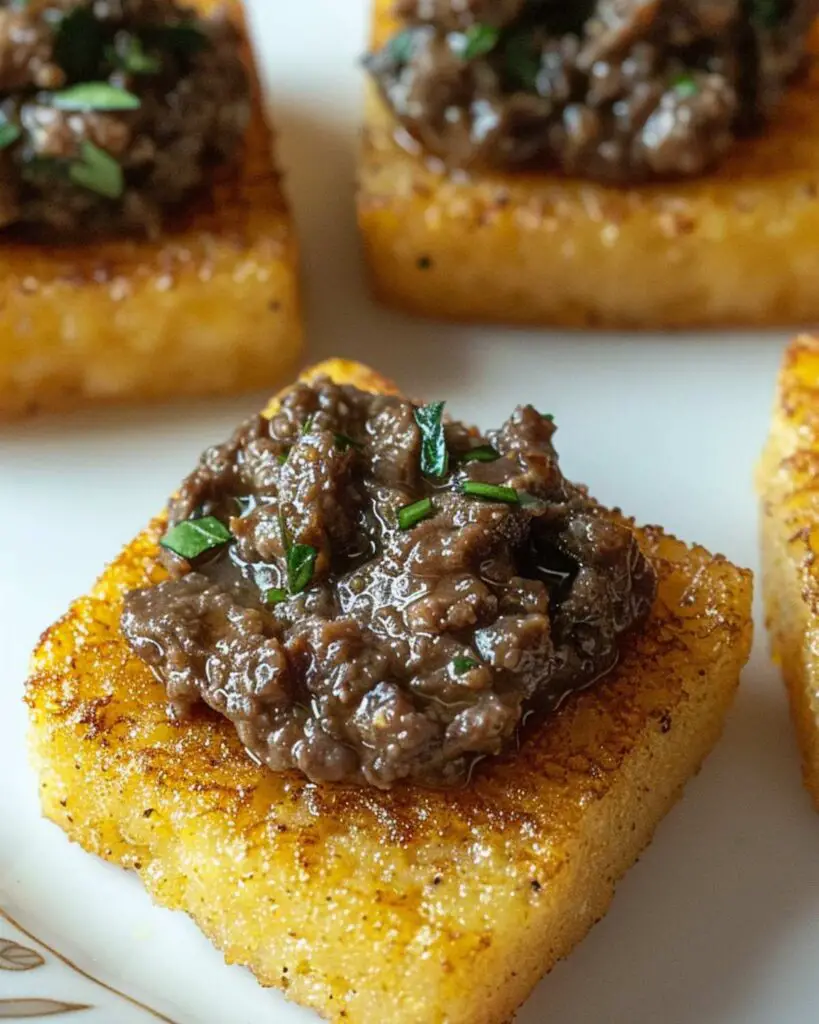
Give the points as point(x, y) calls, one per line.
point(370, 593)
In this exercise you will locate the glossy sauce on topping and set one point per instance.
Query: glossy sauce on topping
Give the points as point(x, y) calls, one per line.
point(396, 592)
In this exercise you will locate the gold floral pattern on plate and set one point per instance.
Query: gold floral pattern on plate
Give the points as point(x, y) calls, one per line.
point(16, 957)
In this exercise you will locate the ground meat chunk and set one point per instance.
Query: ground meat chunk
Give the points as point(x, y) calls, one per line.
point(621, 91)
point(348, 645)
point(688, 132)
point(26, 52)
point(197, 631)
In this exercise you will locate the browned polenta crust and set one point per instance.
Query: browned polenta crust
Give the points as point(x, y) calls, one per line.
point(788, 482)
point(212, 307)
point(411, 906)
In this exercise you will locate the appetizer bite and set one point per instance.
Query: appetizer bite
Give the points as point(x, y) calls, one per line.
point(146, 250)
point(386, 704)
point(641, 163)
point(786, 481)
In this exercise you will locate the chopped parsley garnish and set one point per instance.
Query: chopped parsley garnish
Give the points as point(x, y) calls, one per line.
point(434, 457)
point(491, 492)
point(301, 562)
point(131, 56)
point(193, 537)
point(410, 515)
point(95, 96)
point(400, 47)
point(481, 453)
point(275, 595)
point(479, 40)
point(9, 133)
point(462, 665)
point(281, 458)
point(522, 61)
point(525, 499)
point(97, 171)
point(685, 86)
point(284, 534)
point(344, 442)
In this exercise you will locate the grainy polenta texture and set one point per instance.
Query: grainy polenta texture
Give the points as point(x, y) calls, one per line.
point(210, 308)
point(787, 482)
point(736, 247)
point(410, 906)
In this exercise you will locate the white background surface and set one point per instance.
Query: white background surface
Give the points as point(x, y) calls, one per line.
point(719, 923)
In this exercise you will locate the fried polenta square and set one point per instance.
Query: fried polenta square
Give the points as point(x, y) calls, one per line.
point(786, 482)
point(735, 247)
point(410, 905)
point(210, 307)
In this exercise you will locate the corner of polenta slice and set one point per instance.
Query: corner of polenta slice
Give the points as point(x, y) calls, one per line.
point(409, 905)
point(211, 307)
point(787, 484)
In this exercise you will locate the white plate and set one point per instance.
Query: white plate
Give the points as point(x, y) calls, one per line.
point(719, 923)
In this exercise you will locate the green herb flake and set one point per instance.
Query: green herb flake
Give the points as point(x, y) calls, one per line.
point(284, 534)
point(9, 134)
point(491, 492)
point(434, 457)
point(685, 86)
point(410, 515)
point(193, 537)
point(522, 61)
point(344, 442)
point(461, 665)
point(301, 562)
point(300, 559)
point(132, 57)
point(97, 171)
point(281, 458)
point(479, 40)
point(95, 96)
point(275, 595)
point(528, 500)
point(400, 47)
point(481, 453)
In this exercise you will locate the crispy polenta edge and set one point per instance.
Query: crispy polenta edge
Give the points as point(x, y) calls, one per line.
point(787, 483)
point(733, 248)
point(211, 307)
point(413, 906)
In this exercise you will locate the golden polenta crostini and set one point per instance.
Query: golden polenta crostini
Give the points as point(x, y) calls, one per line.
point(787, 485)
point(385, 704)
point(146, 247)
point(640, 165)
